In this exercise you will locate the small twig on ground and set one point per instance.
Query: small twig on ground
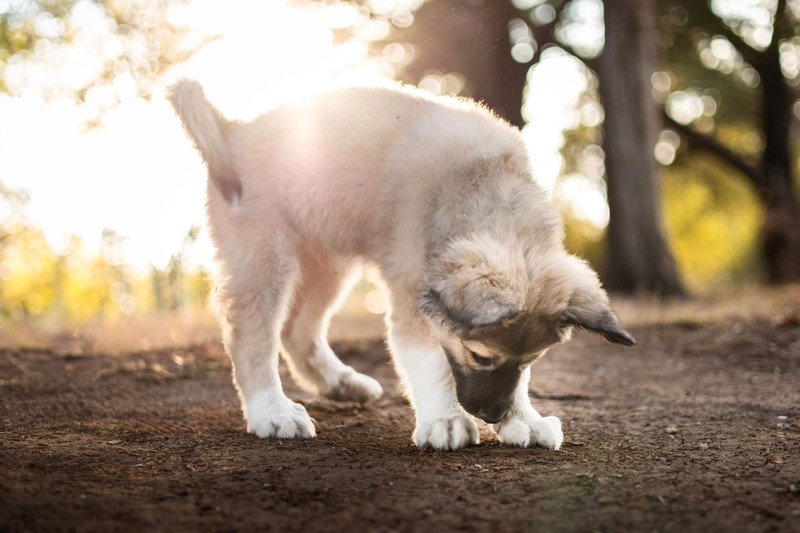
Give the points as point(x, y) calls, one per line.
point(761, 509)
point(559, 397)
point(16, 362)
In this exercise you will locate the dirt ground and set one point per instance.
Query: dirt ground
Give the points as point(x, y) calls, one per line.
point(696, 429)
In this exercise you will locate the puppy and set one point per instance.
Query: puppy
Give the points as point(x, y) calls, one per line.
point(437, 194)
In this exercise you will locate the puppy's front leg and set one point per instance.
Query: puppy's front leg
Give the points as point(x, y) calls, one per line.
point(523, 426)
point(422, 365)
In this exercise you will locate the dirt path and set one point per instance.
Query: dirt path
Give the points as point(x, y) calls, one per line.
point(697, 429)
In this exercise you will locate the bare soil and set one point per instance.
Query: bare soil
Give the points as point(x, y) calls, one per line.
point(696, 429)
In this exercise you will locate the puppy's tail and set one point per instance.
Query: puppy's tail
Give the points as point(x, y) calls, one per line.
point(207, 127)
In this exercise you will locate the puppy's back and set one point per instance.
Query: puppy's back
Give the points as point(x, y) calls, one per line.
point(342, 164)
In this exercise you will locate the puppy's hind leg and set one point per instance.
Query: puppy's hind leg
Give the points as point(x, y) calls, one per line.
point(324, 283)
point(254, 298)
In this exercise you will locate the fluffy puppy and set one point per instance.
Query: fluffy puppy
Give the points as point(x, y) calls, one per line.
point(435, 193)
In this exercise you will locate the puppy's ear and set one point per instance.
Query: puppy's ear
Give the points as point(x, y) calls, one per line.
point(474, 305)
point(589, 310)
point(474, 283)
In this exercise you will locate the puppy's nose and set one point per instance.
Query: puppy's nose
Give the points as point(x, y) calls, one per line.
point(490, 417)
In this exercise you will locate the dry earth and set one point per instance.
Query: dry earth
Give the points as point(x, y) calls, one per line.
point(696, 429)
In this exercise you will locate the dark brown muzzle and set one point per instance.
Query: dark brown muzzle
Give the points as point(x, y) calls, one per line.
point(486, 394)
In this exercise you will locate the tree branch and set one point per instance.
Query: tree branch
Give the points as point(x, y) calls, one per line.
point(546, 35)
point(713, 146)
point(714, 24)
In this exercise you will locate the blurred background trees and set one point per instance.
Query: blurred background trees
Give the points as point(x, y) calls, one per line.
point(94, 51)
point(76, 284)
point(685, 126)
point(716, 67)
point(486, 49)
point(744, 60)
point(94, 54)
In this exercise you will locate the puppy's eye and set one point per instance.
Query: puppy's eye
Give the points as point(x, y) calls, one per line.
point(481, 360)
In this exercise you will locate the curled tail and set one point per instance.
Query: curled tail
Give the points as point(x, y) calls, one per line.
point(206, 126)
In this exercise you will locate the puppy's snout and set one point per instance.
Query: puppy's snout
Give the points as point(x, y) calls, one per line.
point(491, 417)
point(490, 410)
point(485, 394)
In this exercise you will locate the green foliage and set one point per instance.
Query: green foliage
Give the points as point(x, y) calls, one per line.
point(584, 239)
point(76, 285)
point(122, 47)
point(712, 218)
point(689, 59)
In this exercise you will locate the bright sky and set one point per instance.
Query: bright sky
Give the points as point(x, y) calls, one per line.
point(137, 173)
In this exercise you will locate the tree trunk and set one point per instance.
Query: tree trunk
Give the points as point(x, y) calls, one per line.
point(471, 39)
point(638, 258)
point(781, 228)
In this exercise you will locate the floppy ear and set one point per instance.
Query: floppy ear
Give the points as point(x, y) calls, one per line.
point(592, 312)
point(474, 305)
point(475, 282)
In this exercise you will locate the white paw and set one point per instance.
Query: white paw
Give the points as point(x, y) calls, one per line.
point(535, 431)
point(448, 433)
point(355, 387)
point(274, 415)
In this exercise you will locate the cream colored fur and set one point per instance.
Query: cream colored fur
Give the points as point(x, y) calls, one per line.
point(434, 192)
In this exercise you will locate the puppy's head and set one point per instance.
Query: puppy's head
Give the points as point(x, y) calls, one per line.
point(496, 309)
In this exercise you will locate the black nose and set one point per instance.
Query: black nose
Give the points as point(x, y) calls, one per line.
point(491, 416)
point(490, 419)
